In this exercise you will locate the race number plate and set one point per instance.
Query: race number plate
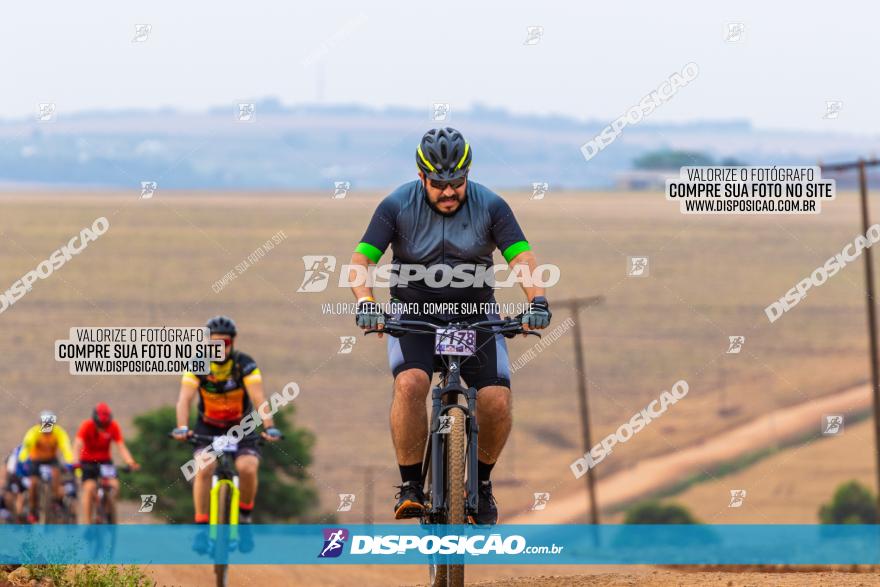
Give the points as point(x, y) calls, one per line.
point(456, 342)
point(108, 470)
point(46, 472)
point(224, 444)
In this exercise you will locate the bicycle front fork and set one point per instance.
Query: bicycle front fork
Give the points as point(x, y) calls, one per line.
point(438, 442)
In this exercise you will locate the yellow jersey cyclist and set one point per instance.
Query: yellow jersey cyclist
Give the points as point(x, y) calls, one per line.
point(40, 447)
point(225, 396)
point(438, 221)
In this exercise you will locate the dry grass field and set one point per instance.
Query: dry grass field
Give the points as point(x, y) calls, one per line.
point(709, 278)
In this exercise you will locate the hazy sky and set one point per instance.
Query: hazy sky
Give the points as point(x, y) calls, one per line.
point(595, 60)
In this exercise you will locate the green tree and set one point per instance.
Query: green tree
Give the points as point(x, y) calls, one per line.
point(285, 492)
point(853, 503)
point(654, 512)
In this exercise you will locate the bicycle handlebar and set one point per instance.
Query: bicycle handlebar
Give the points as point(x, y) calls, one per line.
point(194, 438)
point(505, 326)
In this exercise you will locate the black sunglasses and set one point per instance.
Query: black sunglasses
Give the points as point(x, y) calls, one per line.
point(454, 184)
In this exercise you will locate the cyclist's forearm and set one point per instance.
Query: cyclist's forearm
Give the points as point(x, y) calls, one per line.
point(77, 448)
point(258, 398)
point(126, 455)
point(528, 258)
point(360, 266)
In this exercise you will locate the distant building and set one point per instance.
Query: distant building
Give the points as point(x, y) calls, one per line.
point(644, 179)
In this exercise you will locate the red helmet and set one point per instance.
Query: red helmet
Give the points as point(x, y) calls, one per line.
point(102, 415)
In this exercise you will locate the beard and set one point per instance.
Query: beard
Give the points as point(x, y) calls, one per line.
point(454, 197)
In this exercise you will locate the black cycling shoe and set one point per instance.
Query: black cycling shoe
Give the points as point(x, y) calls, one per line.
point(410, 501)
point(487, 512)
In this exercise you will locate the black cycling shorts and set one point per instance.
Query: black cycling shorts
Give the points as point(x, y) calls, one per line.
point(16, 484)
point(489, 366)
point(92, 469)
point(246, 446)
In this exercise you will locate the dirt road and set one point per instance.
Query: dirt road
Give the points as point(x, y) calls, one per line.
point(653, 474)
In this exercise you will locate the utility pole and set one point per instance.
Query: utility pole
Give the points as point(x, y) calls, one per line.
point(574, 305)
point(862, 165)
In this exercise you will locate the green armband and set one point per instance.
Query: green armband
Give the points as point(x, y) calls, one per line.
point(369, 251)
point(515, 249)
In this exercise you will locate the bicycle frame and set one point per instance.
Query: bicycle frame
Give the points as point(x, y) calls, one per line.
point(225, 474)
point(443, 398)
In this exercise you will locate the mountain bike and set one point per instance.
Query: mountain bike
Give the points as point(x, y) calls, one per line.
point(449, 470)
point(104, 510)
point(48, 510)
point(223, 513)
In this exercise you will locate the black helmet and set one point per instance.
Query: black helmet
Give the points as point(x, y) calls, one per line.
point(443, 154)
point(222, 325)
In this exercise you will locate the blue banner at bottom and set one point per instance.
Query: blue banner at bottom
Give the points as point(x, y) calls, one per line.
point(414, 544)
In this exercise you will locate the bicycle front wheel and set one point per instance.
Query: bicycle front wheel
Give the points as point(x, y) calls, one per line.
point(456, 466)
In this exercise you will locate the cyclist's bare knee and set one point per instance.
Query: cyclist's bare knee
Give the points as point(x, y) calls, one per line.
point(494, 401)
point(205, 471)
point(247, 465)
point(412, 384)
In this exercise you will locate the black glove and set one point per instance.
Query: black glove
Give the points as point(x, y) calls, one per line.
point(539, 315)
point(368, 314)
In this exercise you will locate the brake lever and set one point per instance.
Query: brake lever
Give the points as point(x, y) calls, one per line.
point(388, 331)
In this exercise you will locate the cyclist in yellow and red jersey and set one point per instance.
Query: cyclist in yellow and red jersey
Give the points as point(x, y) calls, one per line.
point(40, 446)
point(226, 395)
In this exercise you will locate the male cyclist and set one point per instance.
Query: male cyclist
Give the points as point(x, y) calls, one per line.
point(226, 395)
point(442, 219)
point(92, 445)
point(40, 446)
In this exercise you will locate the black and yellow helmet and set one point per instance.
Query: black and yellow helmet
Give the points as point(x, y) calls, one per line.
point(443, 154)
